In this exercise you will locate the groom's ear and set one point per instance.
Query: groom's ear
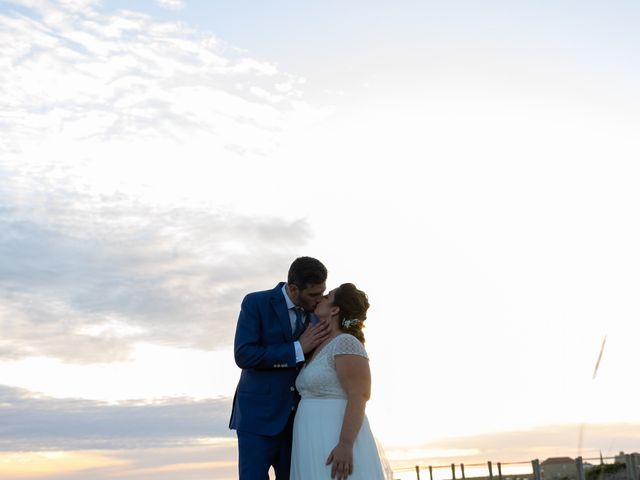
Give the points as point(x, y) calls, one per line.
point(294, 291)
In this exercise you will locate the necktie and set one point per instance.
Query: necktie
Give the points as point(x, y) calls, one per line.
point(299, 324)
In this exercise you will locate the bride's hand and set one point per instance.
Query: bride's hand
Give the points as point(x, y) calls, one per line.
point(313, 336)
point(341, 460)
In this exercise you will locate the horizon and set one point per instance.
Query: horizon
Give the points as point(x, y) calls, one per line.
point(472, 167)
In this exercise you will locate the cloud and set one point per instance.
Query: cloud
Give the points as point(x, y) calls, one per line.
point(171, 4)
point(179, 434)
point(70, 69)
point(85, 291)
point(69, 438)
point(32, 422)
point(522, 446)
point(128, 146)
point(213, 460)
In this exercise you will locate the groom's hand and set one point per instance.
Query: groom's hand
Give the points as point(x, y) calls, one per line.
point(314, 335)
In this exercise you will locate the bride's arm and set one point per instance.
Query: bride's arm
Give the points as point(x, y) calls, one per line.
point(355, 378)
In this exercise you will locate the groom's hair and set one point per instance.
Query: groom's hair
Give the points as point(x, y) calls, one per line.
point(305, 271)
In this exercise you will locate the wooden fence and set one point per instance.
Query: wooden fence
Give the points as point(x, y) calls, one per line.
point(632, 468)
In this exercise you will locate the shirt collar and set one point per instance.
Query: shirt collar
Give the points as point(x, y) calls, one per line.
point(290, 304)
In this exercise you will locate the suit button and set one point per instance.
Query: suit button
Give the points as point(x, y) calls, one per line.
point(292, 388)
point(293, 408)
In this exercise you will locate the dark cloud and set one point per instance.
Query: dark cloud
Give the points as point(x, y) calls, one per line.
point(31, 422)
point(170, 438)
point(172, 276)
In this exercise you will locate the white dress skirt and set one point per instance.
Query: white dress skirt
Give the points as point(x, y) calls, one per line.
point(318, 421)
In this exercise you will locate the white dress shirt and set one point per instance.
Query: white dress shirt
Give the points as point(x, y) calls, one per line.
point(292, 318)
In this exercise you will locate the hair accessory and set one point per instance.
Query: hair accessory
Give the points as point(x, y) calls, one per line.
point(348, 323)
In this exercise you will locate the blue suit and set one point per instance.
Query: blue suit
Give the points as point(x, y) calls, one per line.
point(266, 398)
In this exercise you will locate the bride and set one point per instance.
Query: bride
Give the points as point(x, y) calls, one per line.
point(331, 434)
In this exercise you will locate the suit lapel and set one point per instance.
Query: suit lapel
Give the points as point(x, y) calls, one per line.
point(282, 313)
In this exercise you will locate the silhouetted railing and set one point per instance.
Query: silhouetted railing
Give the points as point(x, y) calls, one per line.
point(531, 470)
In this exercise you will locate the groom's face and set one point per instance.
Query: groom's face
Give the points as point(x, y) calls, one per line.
point(308, 297)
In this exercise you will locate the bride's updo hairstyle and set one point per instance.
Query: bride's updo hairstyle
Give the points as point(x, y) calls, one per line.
point(353, 305)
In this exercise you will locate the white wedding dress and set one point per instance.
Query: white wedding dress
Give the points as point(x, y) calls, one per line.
point(318, 421)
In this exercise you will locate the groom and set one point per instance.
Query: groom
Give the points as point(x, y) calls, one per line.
point(271, 341)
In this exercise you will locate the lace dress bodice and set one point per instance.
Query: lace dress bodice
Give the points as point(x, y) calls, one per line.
point(318, 378)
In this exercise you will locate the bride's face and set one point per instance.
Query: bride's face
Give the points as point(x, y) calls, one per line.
point(326, 309)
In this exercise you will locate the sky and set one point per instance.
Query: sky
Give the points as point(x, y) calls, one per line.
point(472, 166)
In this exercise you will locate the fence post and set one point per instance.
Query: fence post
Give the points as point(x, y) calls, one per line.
point(536, 469)
point(418, 472)
point(634, 463)
point(453, 471)
point(430, 472)
point(499, 471)
point(490, 470)
point(462, 470)
point(631, 466)
point(580, 468)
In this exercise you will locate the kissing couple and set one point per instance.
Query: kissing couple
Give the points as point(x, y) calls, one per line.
point(300, 403)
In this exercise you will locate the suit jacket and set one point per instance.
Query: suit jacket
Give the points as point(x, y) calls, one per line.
point(263, 349)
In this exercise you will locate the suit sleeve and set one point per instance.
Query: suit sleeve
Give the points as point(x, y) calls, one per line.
point(250, 352)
